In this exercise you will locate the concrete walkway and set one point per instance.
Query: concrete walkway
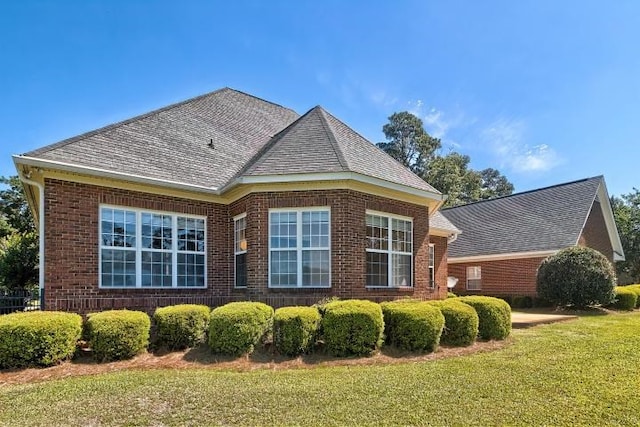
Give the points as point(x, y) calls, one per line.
point(526, 320)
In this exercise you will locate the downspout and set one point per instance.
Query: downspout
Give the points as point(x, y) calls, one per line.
point(40, 187)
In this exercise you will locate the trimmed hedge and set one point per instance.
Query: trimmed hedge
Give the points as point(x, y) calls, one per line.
point(460, 323)
point(352, 327)
point(626, 299)
point(182, 326)
point(636, 290)
point(236, 328)
point(295, 329)
point(38, 338)
point(494, 316)
point(118, 334)
point(412, 326)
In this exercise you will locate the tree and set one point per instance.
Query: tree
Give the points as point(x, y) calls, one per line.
point(408, 142)
point(494, 184)
point(626, 211)
point(18, 238)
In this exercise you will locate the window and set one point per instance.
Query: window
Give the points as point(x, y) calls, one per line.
point(474, 278)
point(432, 266)
point(389, 251)
point(299, 248)
point(240, 251)
point(144, 249)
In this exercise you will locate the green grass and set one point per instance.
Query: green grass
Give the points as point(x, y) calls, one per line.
point(583, 372)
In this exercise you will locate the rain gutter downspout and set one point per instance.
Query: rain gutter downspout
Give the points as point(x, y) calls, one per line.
point(40, 187)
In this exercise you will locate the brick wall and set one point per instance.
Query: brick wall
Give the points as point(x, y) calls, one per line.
point(594, 234)
point(500, 278)
point(441, 251)
point(72, 242)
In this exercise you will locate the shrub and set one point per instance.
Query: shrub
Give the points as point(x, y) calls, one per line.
point(412, 327)
point(521, 301)
point(626, 299)
point(352, 327)
point(236, 328)
point(118, 334)
point(38, 338)
point(494, 316)
point(182, 326)
point(460, 323)
point(451, 295)
point(295, 329)
point(636, 290)
point(576, 276)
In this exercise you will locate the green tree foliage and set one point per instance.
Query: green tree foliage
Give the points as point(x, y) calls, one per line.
point(408, 142)
point(18, 238)
point(411, 145)
point(626, 211)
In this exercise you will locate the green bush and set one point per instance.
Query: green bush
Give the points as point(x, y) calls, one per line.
point(636, 290)
point(413, 327)
point(451, 295)
point(182, 326)
point(494, 316)
point(295, 329)
point(521, 301)
point(626, 299)
point(460, 323)
point(38, 338)
point(236, 328)
point(352, 327)
point(576, 276)
point(118, 334)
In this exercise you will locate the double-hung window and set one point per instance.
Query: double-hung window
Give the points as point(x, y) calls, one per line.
point(432, 266)
point(299, 248)
point(146, 249)
point(240, 250)
point(389, 250)
point(474, 278)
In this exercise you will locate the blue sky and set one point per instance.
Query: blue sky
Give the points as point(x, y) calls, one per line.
point(545, 91)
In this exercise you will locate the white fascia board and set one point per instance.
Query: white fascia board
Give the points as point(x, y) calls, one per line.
point(501, 257)
point(104, 173)
point(442, 232)
point(335, 176)
point(610, 222)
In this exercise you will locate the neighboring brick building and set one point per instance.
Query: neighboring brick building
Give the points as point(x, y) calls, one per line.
point(229, 197)
point(504, 240)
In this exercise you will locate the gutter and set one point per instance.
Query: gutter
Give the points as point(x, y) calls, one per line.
point(40, 187)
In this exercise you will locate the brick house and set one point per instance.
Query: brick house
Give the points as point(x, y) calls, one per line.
point(504, 240)
point(229, 197)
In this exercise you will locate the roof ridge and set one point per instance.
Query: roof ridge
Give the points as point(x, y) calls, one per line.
point(334, 141)
point(535, 190)
point(121, 123)
point(260, 99)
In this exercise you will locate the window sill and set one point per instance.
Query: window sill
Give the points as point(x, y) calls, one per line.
point(150, 288)
point(391, 288)
point(293, 288)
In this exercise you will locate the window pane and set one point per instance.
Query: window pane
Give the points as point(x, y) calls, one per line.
point(315, 229)
point(118, 268)
point(284, 265)
point(240, 226)
point(377, 232)
point(401, 235)
point(401, 268)
point(377, 269)
point(190, 270)
point(156, 231)
point(315, 268)
point(190, 234)
point(118, 228)
point(157, 269)
point(241, 270)
point(283, 229)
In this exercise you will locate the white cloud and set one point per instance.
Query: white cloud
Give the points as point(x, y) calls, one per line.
point(506, 138)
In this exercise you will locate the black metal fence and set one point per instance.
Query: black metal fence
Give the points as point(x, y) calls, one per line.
point(12, 300)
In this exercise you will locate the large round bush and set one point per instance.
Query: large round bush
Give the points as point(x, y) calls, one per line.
point(38, 338)
point(352, 327)
point(460, 322)
point(578, 277)
point(494, 316)
point(412, 326)
point(118, 334)
point(236, 328)
point(295, 329)
point(181, 326)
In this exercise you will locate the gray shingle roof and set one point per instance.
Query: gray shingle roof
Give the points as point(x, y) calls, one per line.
point(439, 221)
point(546, 219)
point(252, 137)
point(319, 142)
point(172, 143)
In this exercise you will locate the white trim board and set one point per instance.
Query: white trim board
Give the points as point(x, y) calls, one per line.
point(500, 257)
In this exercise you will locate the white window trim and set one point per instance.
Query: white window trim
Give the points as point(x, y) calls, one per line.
point(478, 269)
point(432, 268)
point(236, 253)
point(390, 251)
point(299, 249)
point(138, 248)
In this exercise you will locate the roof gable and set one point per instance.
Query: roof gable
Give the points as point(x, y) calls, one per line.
point(540, 220)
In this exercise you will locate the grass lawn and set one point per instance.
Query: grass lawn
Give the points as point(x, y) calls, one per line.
point(582, 372)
